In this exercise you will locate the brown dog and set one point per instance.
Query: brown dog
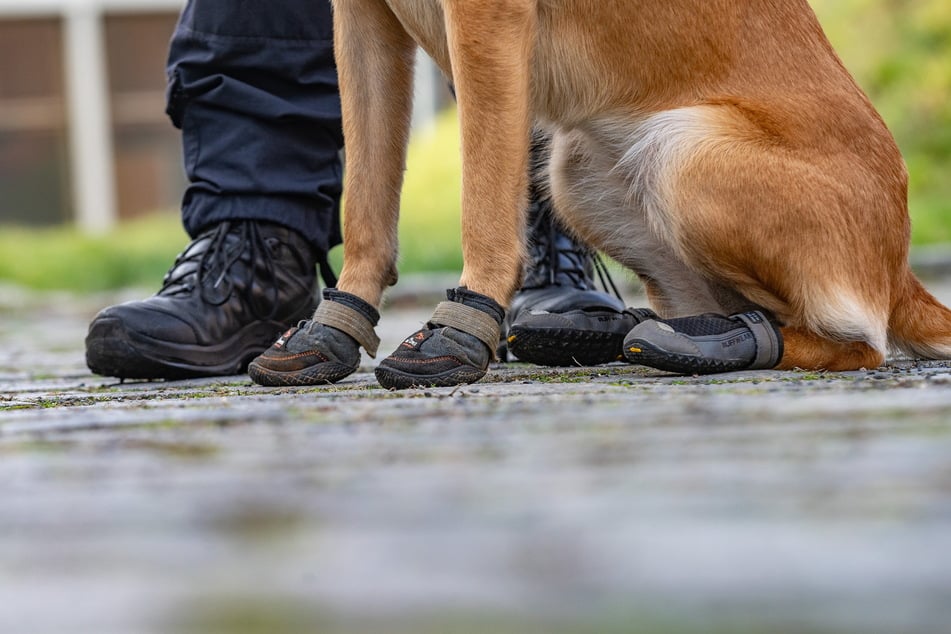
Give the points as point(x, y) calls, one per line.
point(718, 148)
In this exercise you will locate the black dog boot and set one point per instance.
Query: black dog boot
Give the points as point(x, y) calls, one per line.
point(558, 317)
point(323, 349)
point(706, 344)
point(454, 347)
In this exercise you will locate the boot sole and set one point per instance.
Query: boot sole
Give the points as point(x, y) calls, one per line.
point(564, 346)
point(653, 357)
point(111, 350)
point(393, 379)
point(321, 374)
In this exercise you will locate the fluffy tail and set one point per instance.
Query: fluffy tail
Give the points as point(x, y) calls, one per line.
point(920, 326)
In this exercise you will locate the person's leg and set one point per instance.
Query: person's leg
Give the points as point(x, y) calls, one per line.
point(253, 88)
point(558, 317)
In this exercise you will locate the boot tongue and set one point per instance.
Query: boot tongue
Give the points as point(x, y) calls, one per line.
point(218, 268)
point(554, 258)
point(221, 261)
point(182, 276)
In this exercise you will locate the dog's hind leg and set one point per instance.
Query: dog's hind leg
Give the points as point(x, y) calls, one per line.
point(594, 202)
point(813, 235)
point(805, 349)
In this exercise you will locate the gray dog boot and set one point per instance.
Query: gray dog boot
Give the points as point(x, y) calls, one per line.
point(321, 350)
point(706, 344)
point(454, 347)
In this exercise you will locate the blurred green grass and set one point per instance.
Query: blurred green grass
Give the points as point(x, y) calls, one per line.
point(899, 51)
point(138, 252)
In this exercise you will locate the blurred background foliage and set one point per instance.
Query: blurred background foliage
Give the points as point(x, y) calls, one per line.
point(899, 51)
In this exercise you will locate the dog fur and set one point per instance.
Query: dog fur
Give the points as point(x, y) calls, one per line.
point(717, 148)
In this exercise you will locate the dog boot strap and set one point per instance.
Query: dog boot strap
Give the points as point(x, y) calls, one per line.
point(350, 314)
point(769, 341)
point(470, 320)
point(640, 314)
point(472, 313)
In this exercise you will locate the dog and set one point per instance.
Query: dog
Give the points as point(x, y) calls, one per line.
point(717, 148)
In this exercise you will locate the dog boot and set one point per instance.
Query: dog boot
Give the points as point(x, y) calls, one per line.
point(323, 349)
point(454, 347)
point(706, 344)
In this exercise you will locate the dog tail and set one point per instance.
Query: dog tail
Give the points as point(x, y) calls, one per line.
point(920, 326)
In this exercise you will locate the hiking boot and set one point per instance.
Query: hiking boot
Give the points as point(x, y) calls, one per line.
point(228, 295)
point(558, 317)
point(706, 344)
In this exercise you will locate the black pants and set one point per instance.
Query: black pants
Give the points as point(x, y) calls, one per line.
point(253, 87)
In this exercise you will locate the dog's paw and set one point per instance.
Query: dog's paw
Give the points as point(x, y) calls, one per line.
point(455, 347)
point(308, 354)
point(435, 357)
point(706, 344)
point(324, 349)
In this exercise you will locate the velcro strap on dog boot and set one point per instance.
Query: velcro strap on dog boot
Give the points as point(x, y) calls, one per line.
point(350, 314)
point(472, 313)
point(705, 344)
point(454, 347)
point(640, 314)
point(469, 320)
point(769, 341)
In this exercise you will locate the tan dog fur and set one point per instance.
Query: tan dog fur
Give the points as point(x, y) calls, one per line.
point(718, 148)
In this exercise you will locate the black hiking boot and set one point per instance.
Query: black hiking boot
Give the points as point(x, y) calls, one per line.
point(558, 317)
point(228, 295)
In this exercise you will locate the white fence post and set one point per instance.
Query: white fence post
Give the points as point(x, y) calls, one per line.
point(90, 127)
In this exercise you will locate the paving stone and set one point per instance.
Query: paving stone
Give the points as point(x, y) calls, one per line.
point(609, 499)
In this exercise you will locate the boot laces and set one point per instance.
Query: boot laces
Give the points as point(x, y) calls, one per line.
point(561, 259)
point(210, 269)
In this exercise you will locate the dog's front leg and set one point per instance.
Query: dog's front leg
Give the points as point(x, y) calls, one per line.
point(490, 45)
point(375, 59)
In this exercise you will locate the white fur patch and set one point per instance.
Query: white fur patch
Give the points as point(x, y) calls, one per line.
point(659, 144)
point(842, 317)
point(651, 153)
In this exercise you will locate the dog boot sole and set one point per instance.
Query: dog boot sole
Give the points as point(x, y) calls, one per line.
point(320, 374)
point(393, 379)
point(641, 352)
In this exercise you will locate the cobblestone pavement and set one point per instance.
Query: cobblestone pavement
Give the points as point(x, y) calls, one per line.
point(609, 499)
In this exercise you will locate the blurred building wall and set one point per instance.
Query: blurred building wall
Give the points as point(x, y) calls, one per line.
point(83, 134)
point(34, 179)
